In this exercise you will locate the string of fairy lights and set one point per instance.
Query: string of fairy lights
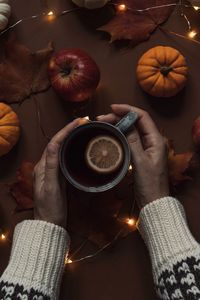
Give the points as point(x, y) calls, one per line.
point(50, 15)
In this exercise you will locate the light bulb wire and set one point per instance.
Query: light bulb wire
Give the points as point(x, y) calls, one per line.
point(64, 12)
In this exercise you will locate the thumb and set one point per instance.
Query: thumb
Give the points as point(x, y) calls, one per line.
point(135, 145)
point(52, 164)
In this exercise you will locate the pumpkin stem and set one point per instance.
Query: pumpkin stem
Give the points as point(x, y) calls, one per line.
point(164, 70)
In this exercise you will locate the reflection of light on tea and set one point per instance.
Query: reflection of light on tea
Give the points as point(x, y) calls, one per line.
point(131, 222)
point(121, 7)
point(87, 118)
point(130, 168)
point(192, 34)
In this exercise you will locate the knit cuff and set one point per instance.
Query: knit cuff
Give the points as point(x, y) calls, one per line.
point(37, 257)
point(165, 231)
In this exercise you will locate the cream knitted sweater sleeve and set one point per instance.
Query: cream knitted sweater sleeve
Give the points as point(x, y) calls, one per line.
point(175, 255)
point(36, 263)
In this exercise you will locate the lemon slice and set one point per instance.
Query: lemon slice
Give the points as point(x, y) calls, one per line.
point(104, 154)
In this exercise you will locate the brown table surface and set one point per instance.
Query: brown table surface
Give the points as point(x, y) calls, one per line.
point(123, 272)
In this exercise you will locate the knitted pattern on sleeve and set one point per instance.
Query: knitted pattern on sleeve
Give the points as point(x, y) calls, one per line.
point(36, 262)
point(175, 254)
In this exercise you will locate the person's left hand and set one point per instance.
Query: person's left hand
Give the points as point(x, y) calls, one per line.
point(49, 195)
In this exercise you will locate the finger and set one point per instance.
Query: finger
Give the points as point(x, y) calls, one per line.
point(118, 113)
point(42, 161)
point(52, 154)
point(121, 109)
point(52, 165)
point(136, 147)
point(39, 171)
point(63, 133)
point(145, 124)
point(147, 129)
point(109, 118)
point(133, 138)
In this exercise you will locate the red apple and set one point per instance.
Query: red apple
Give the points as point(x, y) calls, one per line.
point(196, 131)
point(74, 75)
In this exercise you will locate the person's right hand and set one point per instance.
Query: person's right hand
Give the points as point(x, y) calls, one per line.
point(49, 193)
point(149, 154)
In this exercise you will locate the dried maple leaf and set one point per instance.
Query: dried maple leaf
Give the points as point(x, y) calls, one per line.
point(23, 72)
point(137, 26)
point(22, 189)
point(178, 164)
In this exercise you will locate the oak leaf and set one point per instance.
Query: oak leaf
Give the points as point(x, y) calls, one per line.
point(137, 26)
point(22, 189)
point(178, 164)
point(23, 72)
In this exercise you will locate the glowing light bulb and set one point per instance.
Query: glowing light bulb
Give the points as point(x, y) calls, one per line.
point(121, 7)
point(196, 7)
point(50, 13)
point(69, 261)
point(130, 168)
point(192, 34)
point(131, 222)
point(3, 237)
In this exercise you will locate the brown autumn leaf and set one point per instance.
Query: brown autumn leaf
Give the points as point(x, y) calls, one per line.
point(136, 26)
point(22, 189)
point(178, 164)
point(23, 72)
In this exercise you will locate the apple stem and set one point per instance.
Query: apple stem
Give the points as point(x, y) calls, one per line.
point(66, 71)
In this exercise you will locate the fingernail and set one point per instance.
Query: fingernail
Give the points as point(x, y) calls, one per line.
point(101, 116)
point(76, 120)
point(52, 149)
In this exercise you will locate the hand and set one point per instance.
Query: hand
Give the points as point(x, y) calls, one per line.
point(49, 195)
point(149, 155)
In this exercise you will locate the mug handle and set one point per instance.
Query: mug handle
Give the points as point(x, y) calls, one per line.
point(127, 122)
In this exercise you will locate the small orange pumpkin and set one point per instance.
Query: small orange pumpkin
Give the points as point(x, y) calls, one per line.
point(162, 71)
point(9, 128)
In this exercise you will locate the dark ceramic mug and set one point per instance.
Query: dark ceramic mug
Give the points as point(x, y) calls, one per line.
point(72, 154)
